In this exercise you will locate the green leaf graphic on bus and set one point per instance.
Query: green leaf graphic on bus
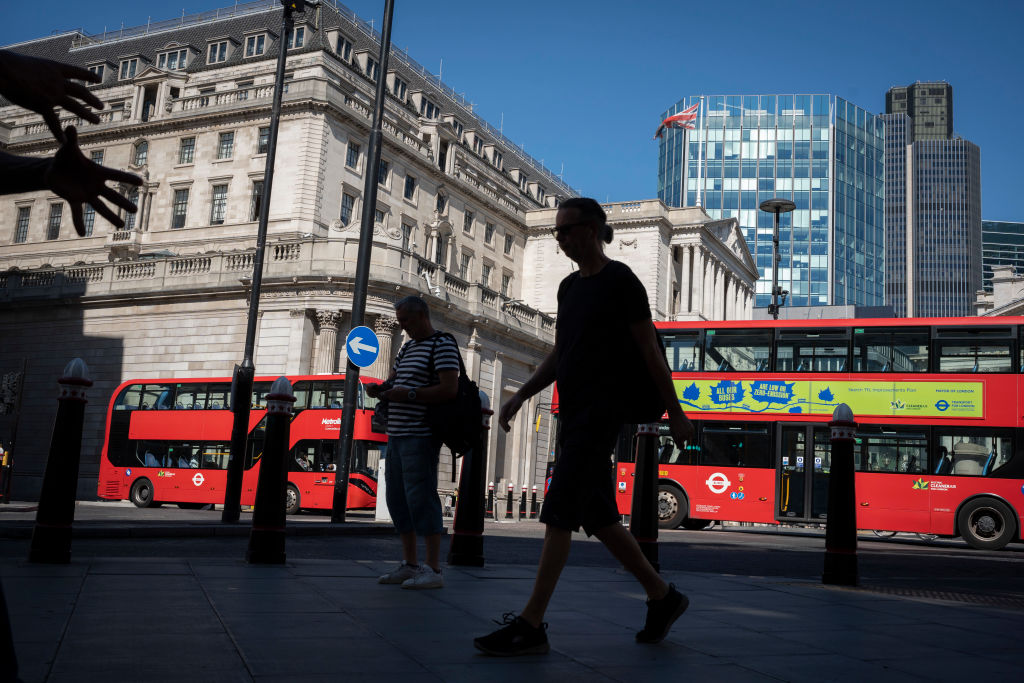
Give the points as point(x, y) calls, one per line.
point(727, 392)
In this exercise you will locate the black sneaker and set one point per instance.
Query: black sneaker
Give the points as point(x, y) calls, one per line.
point(516, 638)
point(661, 614)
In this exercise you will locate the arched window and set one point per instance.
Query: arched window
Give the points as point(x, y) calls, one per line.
point(141, 153)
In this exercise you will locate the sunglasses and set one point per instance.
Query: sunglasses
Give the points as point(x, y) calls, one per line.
point(562, 229)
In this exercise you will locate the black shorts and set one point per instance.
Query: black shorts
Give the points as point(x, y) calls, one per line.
point(582, 490)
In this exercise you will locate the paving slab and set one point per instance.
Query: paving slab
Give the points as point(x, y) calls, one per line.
point(198, 619)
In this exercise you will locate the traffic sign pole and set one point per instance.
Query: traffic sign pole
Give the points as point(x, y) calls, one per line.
point(348, 407)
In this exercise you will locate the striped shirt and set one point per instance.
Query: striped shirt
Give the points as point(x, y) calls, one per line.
point(412, 369)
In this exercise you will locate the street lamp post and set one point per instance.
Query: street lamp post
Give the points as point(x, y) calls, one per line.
point(241, 382)
point(776, 206)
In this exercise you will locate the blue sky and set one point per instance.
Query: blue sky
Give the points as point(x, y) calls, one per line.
point(583, 83)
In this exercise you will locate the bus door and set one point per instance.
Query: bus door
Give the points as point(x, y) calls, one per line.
point(805, 458)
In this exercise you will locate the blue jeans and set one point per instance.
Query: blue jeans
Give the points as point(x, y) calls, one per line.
point(410, 471)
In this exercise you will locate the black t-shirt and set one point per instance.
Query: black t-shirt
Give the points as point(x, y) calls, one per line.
point(595, 347)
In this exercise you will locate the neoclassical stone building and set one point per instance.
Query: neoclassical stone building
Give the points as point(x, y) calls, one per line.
point(460, 220)
point(188, 107)
point(693, 267)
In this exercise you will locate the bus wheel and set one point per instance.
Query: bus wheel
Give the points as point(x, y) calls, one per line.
point(671, 506)
point(142, 493)
point(696, 524)
point(883, 534)
point(291, 500)
point(986, 524)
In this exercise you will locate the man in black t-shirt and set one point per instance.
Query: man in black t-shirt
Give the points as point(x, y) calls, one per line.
point(602, 311)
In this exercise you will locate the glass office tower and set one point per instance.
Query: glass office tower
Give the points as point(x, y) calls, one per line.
point(820, 151)
point(1002, 244)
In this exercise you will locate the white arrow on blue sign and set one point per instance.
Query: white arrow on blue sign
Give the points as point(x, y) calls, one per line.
point(363, 346)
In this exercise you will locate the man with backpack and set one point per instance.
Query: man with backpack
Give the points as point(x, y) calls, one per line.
point(426, 373)
point(604, 342)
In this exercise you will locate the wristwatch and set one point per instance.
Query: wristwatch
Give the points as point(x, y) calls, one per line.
point(412, 394)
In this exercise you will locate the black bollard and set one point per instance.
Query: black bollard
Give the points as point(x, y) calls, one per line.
point(266, 540)
point(533, 503)
point(841, 524)
point(467, 545)
point(508, 501)
point(490, 501)
point(51, 537)
point(643, 519)
point(522, 505)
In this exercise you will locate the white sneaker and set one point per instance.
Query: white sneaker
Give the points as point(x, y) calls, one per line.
point(425, 578)
point(400, 575)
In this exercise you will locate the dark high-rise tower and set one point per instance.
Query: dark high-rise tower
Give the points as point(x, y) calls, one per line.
point(929, 106)
point(932, 205)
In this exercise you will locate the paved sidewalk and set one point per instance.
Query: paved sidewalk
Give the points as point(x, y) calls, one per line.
point(223, 620)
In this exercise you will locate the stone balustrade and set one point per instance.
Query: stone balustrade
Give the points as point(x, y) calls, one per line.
point(308, 260)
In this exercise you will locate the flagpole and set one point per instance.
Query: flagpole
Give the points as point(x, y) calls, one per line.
point(700, 157)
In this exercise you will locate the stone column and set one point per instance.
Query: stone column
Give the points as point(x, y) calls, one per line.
point(685, 282)
point(712, 293)
point(727, 286)
point(385, 326)
point(300, 342)
point(326, 341)
point(709, 283)
point(697, 280)
point(722, 291)
point(492, 434)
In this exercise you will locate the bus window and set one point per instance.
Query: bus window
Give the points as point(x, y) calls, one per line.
point(130, 398)
point(889, 449)
point(303, 456)
point(737, 350)
point(190, 397)
point(974, 356)
point(890, 350)
point(157, 397)
point(366, 402)
point(682, 350)
point(254, 444)
point(182, 455)
point(976, 453)
point(335, 393)
point(669, 454)
point(259, 394)
point(301, 392)
point(812, 351)
point(365, 457)
point(214, 456)
point(736, 445)
point(218, 397)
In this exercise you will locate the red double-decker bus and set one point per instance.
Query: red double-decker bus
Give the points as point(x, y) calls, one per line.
point(169, 440)
point(938, 401)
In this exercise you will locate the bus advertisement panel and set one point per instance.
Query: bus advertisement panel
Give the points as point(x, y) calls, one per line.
point(168, 441)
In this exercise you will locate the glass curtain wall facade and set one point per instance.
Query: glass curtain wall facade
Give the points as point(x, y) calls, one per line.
point(820, 151)
point(1002, 244)
point(947, 227)
point(897, 138)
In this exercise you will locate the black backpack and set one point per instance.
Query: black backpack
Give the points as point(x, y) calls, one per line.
point(459, 422)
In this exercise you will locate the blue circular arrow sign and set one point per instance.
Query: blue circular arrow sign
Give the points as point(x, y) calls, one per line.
point(362, 346)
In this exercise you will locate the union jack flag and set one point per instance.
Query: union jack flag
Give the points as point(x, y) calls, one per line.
point(684, 119)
